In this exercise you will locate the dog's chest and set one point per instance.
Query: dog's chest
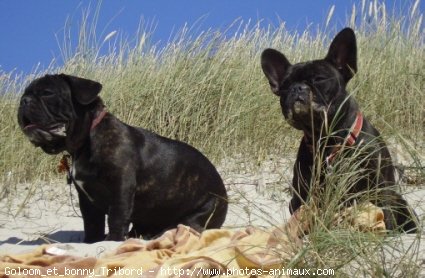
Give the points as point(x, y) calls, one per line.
point(77, 176)
point(80, 172)
point(88, 182)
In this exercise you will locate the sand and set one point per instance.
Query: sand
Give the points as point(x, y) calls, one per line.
point(43, 212)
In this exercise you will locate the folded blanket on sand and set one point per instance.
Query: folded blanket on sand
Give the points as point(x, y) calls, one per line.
point(183, 252)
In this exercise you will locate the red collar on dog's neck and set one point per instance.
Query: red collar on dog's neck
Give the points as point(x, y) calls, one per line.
point(355, 129)
point(349, 140)
point(98, 118)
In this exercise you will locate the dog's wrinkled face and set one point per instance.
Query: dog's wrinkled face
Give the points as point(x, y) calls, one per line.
point(47, 109)
point(312, 91)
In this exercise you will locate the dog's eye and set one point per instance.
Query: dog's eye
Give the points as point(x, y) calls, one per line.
point(47, 93)
point(319, 79)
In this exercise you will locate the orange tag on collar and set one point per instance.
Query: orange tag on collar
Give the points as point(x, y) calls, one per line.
point(64, 164)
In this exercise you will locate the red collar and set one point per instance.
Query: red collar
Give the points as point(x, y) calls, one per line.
point(351, 138)
point(355, 129)
point(98, 118)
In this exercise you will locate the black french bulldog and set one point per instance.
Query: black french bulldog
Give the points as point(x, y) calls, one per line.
point(128, 173)
point(313, 97)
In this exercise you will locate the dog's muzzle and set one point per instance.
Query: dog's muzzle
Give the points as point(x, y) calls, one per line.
point(298, 100)
point(51, 139)
point(49, 136)
point(48, 133)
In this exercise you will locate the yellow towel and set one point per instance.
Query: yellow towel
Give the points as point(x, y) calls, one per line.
point(183, 252)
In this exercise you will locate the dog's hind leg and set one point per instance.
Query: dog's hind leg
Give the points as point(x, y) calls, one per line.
point(210, 215)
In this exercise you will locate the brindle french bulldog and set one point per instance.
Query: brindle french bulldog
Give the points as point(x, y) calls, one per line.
point(128, 173)
point(313, 97)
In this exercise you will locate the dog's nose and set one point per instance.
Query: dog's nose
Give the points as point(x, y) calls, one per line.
point(299, 88)
point(300, 92)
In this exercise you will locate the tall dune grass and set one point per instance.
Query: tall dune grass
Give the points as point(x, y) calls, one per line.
point(209, 90)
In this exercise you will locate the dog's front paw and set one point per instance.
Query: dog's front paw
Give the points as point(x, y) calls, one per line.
point(115, 237)
point(93, 239)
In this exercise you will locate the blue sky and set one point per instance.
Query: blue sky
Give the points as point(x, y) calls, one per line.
point(32, 30)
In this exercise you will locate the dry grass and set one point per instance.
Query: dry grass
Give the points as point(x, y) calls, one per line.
point(210, 91)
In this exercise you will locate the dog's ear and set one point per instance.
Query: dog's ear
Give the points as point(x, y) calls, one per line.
point(83, 90)
point(274, 65)
point(343, 53)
